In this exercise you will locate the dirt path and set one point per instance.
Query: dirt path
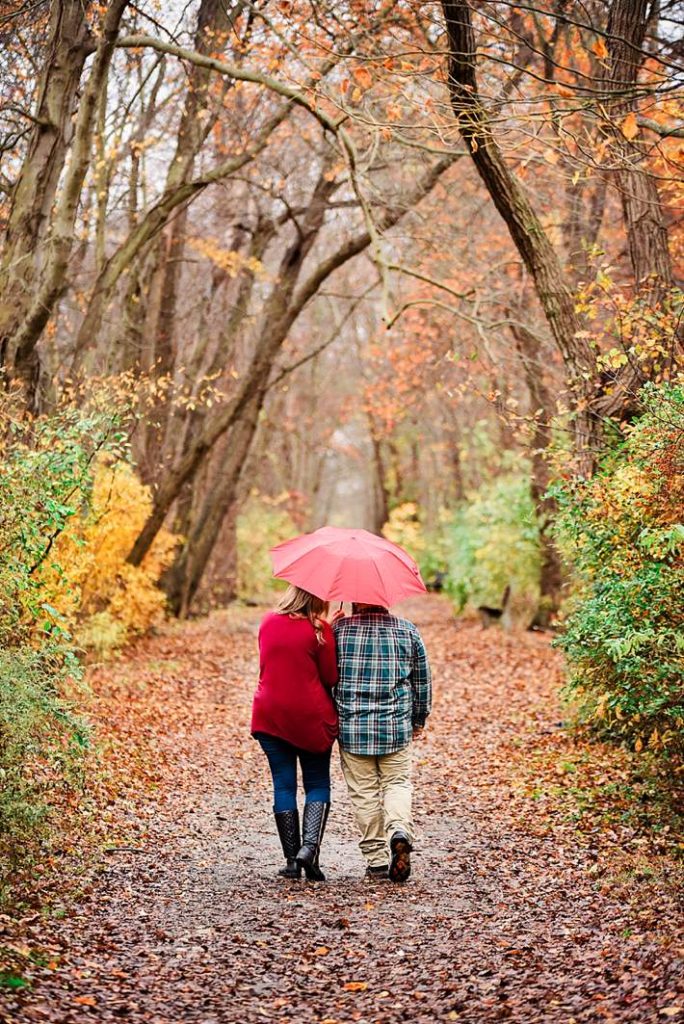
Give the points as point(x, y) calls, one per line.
point(504, 918)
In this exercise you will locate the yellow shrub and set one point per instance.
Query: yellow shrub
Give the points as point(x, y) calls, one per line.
point(262, 523)
point(404, 528)
point(97, 590)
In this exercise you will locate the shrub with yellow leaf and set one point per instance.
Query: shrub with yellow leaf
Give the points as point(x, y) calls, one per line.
point(262, 523)
point(95, 588)
point(70, 509)
point(405, 528)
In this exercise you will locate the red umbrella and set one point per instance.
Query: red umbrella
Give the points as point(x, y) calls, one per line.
point(339, 564)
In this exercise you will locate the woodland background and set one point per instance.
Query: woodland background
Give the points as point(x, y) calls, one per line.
point(403, 265)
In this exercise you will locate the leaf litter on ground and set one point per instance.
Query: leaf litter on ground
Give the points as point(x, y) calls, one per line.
point(531, 900)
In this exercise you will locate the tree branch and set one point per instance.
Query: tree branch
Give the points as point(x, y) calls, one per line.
point(333, 336)
point(222, 67)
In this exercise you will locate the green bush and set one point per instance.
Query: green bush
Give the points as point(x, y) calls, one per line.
point(262, 523)
point(493, 543)
point(45, 481)
point(42, 740)
point(623, 532)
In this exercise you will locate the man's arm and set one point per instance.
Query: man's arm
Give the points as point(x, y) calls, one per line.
point(421, 682)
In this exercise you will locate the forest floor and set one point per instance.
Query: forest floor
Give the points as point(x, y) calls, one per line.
point(538, 894)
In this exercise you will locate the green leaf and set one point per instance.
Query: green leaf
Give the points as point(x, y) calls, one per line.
point(14, 981)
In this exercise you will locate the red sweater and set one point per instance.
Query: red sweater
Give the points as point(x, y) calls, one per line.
point(296, 673)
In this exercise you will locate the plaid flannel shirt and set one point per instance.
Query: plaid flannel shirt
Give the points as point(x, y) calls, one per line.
point(384, 689)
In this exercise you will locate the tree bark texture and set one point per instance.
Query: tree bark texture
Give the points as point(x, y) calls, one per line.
point(184, 577)
point(220, 580)
point(642, 209)
point(24, 330)
point(526, 230)
point(551, 577)
point(641, 205)
point(33, 195)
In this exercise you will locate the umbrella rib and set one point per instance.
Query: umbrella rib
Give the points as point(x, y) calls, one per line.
point(382, 582)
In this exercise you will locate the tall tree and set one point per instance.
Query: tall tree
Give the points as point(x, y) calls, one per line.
point(515, 206)
point(33, 192)
point(23, 323)
point(639, 195)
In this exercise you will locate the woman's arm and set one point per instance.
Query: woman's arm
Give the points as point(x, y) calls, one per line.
point(326, 656)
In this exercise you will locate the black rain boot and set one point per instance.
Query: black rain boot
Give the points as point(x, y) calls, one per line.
point(315, 817)
point(287, 823)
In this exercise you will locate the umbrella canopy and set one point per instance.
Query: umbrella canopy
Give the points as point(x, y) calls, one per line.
point(339, 564)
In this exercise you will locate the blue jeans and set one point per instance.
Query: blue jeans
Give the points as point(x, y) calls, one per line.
point(282, 760)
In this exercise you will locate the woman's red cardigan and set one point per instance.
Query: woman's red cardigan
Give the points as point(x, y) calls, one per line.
point(293, 699)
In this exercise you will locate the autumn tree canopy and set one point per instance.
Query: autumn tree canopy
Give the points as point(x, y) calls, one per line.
point(332, 238)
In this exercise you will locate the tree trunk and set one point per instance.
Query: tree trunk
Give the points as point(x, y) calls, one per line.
point(582, 222)
point(551, 577)
point(181, 429)
point(24, 331)
point(381, 509)
point(195, 126)
point(642, 209)
point(219, 583)
point(184, 577)
point(456, 464)
point(33, 195)
point(641, 206)
point(186, 574)
point(381, 501)
point(511, 200)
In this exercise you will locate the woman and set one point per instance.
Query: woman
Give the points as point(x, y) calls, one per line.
point(294, 719)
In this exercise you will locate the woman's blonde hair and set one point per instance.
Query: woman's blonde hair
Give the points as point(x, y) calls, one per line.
point(302, 604)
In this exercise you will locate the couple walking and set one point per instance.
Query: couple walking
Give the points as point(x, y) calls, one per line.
point(362, 679)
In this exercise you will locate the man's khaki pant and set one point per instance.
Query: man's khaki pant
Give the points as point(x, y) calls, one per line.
point(380, 793)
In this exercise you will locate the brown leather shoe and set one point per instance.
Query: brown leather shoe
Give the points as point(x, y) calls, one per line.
point(400, 865)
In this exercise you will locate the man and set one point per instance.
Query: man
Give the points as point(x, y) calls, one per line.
point(383, 698)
